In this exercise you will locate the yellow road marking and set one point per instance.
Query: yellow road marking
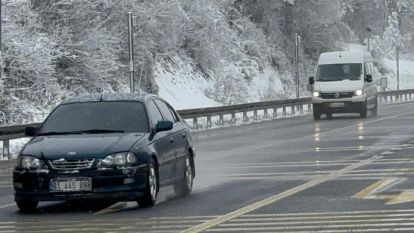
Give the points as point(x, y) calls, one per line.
point(270, 200)
point(119, 206)
point(363, 194)
point(370, 192)
point(406, 196)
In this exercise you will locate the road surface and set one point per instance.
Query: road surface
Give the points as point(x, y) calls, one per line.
point(289, 175)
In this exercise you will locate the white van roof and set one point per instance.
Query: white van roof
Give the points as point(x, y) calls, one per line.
point(342, 57)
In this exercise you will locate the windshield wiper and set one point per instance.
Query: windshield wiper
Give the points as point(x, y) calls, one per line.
point(96, 131)
point(89, 131)
point(56, 133)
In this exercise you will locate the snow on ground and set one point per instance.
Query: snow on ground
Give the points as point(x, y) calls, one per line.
point(15, 147)
point(406, 70)
point(406, 74)
point(182, 87)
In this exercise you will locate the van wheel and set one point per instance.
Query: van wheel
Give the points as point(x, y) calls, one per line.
point(316, 113)
point(364, 110)
point(374, 111)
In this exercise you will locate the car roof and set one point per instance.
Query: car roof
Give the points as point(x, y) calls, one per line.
point(108, 97)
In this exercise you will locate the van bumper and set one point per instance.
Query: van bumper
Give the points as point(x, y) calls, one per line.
point(340, 107)
point(356, 104)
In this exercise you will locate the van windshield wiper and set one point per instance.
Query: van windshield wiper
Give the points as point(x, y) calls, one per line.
point(89, 131)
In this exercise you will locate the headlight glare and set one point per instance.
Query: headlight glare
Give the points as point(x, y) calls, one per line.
point(316, 94)
point(359, 92)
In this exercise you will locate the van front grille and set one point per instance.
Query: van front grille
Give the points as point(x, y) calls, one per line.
point(337, 95)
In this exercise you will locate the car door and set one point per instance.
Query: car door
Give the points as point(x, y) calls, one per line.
point(176, 137)
point(183, 145)
point(162, 145)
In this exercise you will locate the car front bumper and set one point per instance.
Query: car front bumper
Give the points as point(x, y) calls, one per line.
point(117, 184)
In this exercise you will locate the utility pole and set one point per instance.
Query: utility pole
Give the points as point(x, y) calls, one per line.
point(398, 47)
point(369, 30)
point(297, 42)
point(131, 52)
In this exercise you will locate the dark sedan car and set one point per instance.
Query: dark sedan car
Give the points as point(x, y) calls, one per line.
point(112, 147)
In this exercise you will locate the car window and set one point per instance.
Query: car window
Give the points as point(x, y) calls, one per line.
point(176, 119)
point(165, 111)
point(154, 113)
point(97, 116)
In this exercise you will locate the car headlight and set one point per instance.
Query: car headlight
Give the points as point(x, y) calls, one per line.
point(316, 94)
point(119, 159)
point(359, 92)
point(29, 162)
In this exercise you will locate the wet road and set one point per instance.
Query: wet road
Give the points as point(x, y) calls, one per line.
point(290, 175)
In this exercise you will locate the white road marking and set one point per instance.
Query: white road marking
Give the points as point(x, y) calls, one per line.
point(7, 205)
point(270, 200)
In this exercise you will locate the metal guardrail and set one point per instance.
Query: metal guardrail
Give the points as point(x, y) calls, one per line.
point(293, 105)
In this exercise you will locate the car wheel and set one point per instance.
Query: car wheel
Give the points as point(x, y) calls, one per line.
point(27, 206)
point(364, 110)
point(151, 191)
point(185, 186)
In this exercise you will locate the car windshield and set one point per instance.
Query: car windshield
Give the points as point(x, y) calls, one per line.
point(97, 117)
point(339, 72)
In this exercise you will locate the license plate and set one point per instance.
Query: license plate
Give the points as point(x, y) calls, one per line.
point(71, 185)
point(337, 105)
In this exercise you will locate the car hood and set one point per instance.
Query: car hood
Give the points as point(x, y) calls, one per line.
point(81, 146)
point(339, 86)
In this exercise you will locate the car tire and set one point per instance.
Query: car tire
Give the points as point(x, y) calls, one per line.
point(316, 113)
point(364, 110)
point(27, 206)
point(151, 191)
point(185, 186)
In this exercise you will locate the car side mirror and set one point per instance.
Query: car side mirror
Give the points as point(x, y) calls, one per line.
point(311, 80)
point(164, 126)
point(30, 131)
point(368, 78)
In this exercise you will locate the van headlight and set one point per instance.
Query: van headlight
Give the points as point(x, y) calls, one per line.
point(359, 92)
point(316, 94)
point(118, 159)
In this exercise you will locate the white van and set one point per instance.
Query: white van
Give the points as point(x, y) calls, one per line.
point(344, 84)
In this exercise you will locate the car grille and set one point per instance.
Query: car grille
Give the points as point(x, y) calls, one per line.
point(69, 165)
point(337, 95)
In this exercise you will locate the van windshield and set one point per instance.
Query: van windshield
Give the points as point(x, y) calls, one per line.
point(338, 72)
